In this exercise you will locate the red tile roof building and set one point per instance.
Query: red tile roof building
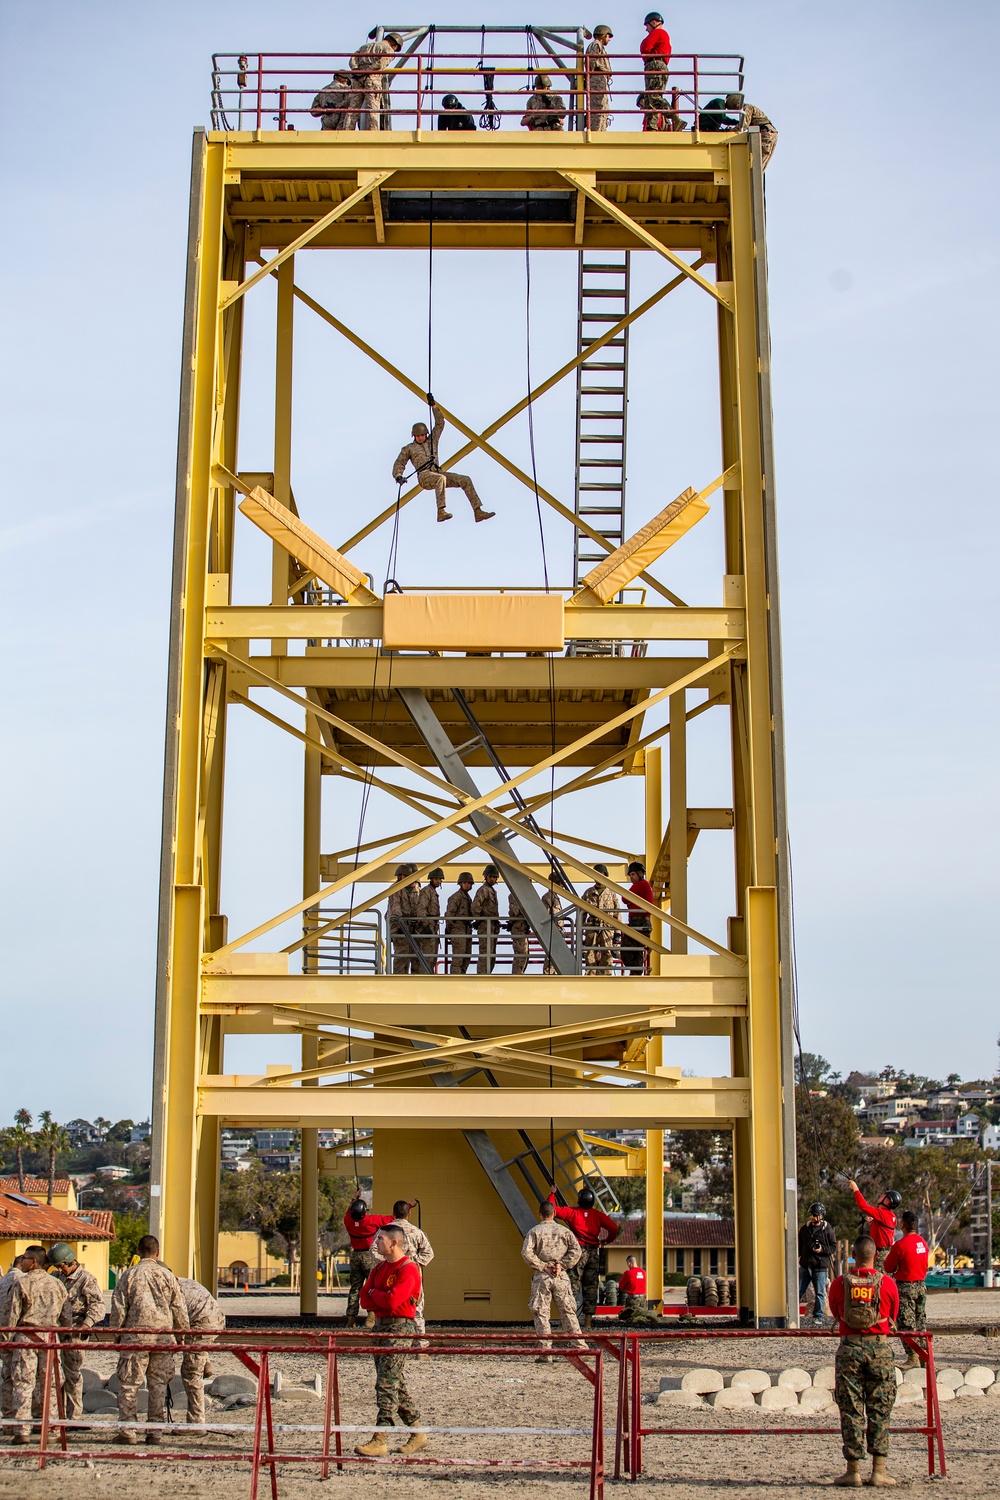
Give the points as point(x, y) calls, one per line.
point(692, 1247)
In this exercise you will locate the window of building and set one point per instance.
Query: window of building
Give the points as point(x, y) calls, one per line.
point(713, 1262)
point(679, 1262)
point(730, 1262)
point(696, 1262)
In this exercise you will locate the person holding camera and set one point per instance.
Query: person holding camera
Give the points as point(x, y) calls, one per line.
point(817, 1243)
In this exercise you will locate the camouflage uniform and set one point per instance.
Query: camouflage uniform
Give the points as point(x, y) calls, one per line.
point(586, 1279)
point(658, 109)
point(362, 1262)
point(402, 929)
point(371, 91)
point(768, 135)
point(599, 79)
point(424, 458)
point(519, 932)
point(148, 1297)
point(205, 1315)
point(420, 1251)
point(912, 1316)
point(458, 930)
point(866, 1384)
point(6, 1390)
point(391, 1394)
point(598, 941)
point(553, 906)
point(83, 1308)
point(428, 910)
point(880, 1257)
point(336, 106)
point(37, 1299)
point(544, 1244)
point(549, 109)
point(486, 911)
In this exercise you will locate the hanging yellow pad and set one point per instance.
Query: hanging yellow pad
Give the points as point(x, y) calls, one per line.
point(473, 622)
point(633, 557)
point(329, 565)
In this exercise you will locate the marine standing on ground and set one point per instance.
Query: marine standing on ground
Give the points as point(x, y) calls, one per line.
point(362, 1228)
point(422, 453)
point(147, 1296)
point(551, 1249)
point(632, 1286)
point(865, 1302)
point(390, 1293)
point(907, 1263)
point(6, 1353)
point(418, 1248)
point(35, 1299)
point(207, 1320)
point(83, 1309)
point(881, 1220)
point(592, 1228)
point(817, 1243)
point(458, 924)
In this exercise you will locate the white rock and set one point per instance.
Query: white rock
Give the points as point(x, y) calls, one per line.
point(795, 1379)
point(816, 1398)
point(751, 1380)
point(980, 1375)
point(907, 1393)
point(970, 1390)
point(779, 1398)
point(825, 1378)
point(916, 1376)
point(702, 1381)
point(946, 1393)
point(679, 1398)
point(899, 1375)
point(950, 1376)
point(733, 1396)
point(994, 1389)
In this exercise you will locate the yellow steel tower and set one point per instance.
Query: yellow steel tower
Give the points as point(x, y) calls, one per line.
point(475, 1085)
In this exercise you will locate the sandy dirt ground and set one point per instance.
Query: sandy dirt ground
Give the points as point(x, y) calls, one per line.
point(462, 1390)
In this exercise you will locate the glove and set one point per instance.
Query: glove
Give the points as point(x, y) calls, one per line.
point(430, 399)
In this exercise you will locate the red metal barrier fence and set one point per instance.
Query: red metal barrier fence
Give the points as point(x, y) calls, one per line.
point(630, 1429)
point(264, 1454)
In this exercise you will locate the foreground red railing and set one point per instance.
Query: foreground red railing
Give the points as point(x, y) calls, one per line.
point(631, 1430)
point(264, 1454)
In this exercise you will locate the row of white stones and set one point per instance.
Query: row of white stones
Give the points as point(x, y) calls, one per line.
point(796, 1387)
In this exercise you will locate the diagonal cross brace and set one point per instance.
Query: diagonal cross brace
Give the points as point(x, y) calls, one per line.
point(538, 918)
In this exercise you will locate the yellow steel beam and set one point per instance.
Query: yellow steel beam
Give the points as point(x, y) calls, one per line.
point(475, 805)
point(300, 242)
point(611, 622)
point(710, 1102)
point(649, 240)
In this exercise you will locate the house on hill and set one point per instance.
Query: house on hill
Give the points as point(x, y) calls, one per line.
point(25, 1222)
point(37, 1188)
point(693, 1245)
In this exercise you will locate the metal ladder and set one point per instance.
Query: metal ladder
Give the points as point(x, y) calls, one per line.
point(601, 405)
point(576, 1167)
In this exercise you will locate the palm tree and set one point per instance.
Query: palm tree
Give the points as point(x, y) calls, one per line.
point(19, 1135)
point(102, 1126)
point(52, 1138)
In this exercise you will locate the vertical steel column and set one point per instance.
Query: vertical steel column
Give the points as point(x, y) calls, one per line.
point(678, 818)
point(283, 429)
point(654, 1047)
point(182, 895)
point(309, 1137)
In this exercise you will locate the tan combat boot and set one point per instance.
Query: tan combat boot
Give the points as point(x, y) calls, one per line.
point(376, 1447)
point(208, 1372)
point(370, 1320)
point(913, 1361)
point(152, 1438)
point(485, 515)
point(444, 515)
point(880, 1480)
point(127, 1436)
point(352, 1322)
point(588, 1321)
point(415, 1441)
point(851, 1478)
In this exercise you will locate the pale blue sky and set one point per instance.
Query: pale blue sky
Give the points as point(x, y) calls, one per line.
point(882, 244)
